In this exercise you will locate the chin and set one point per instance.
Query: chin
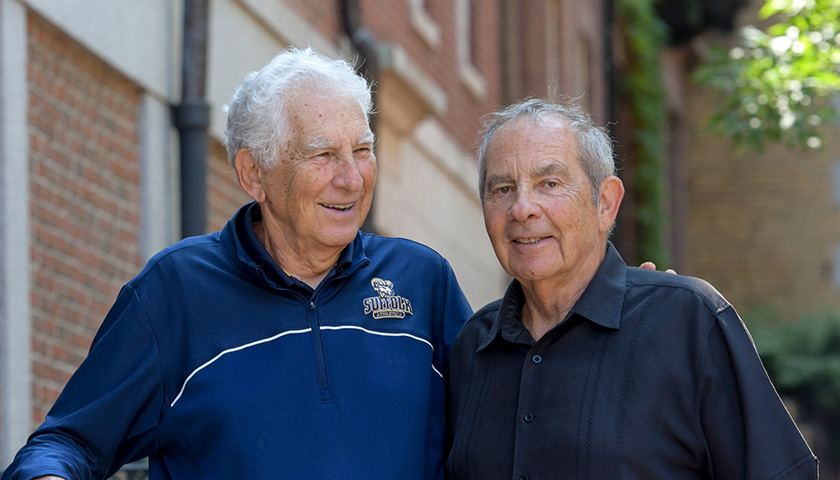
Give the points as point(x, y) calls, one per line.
point(531, 271)
point(340, 238)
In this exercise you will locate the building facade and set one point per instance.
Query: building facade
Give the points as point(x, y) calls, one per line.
point(89, 159)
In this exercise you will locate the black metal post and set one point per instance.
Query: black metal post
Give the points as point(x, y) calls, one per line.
point(192, 118)
point(365, 44)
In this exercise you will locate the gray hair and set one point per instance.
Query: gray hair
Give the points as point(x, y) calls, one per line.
point(595, 148)
point(257, 116)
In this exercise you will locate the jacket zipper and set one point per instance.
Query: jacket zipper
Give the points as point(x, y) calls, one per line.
point(324, 392)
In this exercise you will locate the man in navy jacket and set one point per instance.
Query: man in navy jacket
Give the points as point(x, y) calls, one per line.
point(287, 345)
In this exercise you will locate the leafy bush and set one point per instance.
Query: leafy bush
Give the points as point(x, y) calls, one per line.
point(801, 352)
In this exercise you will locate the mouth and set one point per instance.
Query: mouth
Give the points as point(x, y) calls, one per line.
point(529, 240)
point(338, 207)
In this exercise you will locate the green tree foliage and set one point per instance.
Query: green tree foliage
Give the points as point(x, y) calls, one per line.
point(641, 88)
point(779, 83)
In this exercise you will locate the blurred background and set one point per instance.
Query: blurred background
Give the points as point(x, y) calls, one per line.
point(724, 114)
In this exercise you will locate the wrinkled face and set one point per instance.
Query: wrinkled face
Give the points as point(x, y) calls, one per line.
point(538, 207)
point(321, 191)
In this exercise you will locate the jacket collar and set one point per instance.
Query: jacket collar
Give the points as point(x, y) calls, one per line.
point(240, 237)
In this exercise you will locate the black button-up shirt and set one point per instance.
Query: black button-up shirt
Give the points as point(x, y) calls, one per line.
point(651, 376)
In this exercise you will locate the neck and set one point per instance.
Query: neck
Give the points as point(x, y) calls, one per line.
point(309, 267)
point(541, 313)
point(548, 301)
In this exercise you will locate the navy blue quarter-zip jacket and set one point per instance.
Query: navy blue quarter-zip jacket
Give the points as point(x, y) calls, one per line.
point(216, 365)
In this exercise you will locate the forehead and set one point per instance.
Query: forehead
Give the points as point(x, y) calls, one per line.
point(533, 146)
point(326, 117)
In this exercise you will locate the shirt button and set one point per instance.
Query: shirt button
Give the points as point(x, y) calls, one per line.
point(536, 359)
point(528, 417)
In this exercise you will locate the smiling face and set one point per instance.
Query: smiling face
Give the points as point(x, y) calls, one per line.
point(538, 207)
point(317, 197)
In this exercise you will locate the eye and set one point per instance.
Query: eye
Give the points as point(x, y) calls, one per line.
point(501, 190)
point(551, 183)
point(364, 150)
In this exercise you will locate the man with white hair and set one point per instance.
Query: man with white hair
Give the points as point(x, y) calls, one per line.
point(287, 345)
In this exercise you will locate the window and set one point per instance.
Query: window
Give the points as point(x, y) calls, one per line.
point(423, 24)
point(465, 30)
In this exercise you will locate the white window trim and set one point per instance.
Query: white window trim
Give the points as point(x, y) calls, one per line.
point(15, 312)
point(470, 77)
point(423, 24)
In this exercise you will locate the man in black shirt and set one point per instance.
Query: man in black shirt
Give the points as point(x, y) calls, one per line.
point(588, 369)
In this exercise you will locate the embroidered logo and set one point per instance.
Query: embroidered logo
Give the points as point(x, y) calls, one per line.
point(387, 304)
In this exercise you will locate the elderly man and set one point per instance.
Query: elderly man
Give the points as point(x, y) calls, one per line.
point(289, 344)
point(588, 369)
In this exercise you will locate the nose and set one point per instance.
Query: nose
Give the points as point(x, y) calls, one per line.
point(524, 205)
point(348, 175)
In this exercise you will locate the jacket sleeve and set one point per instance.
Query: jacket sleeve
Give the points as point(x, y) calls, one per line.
point(456, 311)
point(453, 311)
point(108, 413)
point(747, 429)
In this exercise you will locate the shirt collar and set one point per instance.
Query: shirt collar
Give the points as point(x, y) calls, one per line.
point(601, 303)
point(508, 321)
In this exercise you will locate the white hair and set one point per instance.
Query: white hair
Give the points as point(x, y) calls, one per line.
point(257, 116)
point(595, 148)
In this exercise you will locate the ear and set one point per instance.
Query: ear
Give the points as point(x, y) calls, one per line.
point(249, 174)
point(612, 192)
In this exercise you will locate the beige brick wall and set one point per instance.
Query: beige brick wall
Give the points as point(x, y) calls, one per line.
point(763, 226)
point(84, 182)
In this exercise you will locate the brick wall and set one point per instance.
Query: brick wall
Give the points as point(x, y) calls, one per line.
point(84, 182)
point(390, 23)
point(323, 15)
point(224, 196)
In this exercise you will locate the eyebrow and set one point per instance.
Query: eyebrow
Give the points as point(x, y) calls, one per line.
point(538, 171)
point(318, 143)
point(368, 137)
point(324, 143)
point(551, 168)
point(494, 180)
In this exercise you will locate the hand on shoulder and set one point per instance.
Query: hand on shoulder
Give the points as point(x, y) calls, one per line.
point(652, 266)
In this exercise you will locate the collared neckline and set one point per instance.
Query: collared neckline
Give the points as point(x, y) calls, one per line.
point(250, 214)
point(600, 303)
